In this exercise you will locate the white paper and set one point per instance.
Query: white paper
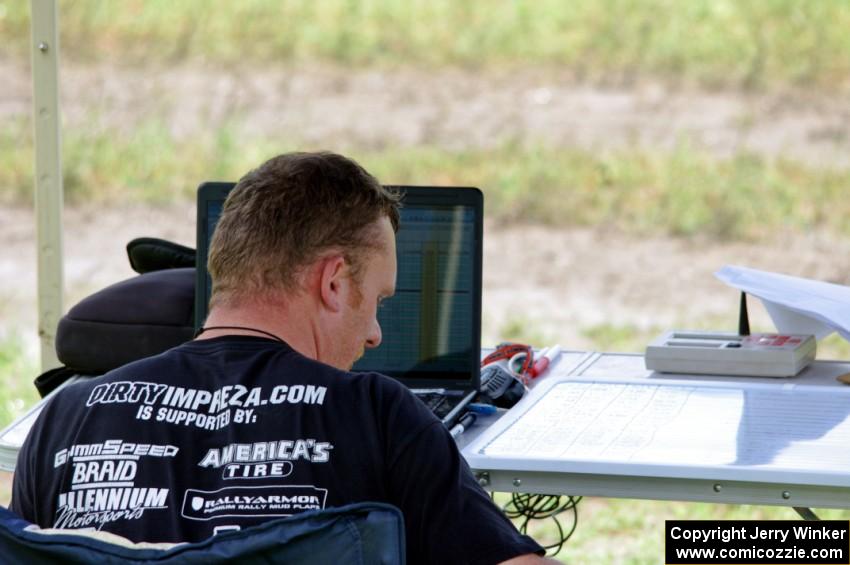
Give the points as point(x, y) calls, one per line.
point(742, 426)
point(796, 305)
point(791, 322)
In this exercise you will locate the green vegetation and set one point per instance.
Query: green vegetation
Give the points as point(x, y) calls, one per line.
point(523, 330)
point(632, 531)
point(686, 192)
point(712, 42)
point(146, 165)
point(833, 347)
point(17, 371)
point(612, 337)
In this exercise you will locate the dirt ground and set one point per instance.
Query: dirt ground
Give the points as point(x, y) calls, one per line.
point(555, 282)
point(454, 108)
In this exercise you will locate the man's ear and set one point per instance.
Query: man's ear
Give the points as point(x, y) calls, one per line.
point(333, 282)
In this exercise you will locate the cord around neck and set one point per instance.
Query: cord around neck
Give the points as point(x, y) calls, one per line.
point(243, 328)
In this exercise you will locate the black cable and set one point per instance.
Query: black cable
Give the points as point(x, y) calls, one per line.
point(527, 507)
point(242, 328)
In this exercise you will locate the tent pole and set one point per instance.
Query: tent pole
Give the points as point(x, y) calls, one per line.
point(48, 173)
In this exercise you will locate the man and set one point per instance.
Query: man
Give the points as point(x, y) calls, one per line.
point(259, 417)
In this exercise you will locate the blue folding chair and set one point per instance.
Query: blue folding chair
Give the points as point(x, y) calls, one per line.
point(357, 533)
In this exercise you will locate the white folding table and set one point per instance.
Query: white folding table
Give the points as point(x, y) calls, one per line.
point(611, 428)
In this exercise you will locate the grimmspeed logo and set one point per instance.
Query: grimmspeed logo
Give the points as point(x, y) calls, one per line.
point(247, 502)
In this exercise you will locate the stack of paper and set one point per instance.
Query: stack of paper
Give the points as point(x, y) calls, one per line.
point(796, 305)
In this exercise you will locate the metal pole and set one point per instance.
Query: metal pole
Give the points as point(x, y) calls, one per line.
point(48, 173)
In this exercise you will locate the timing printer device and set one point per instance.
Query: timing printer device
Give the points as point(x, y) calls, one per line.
point(722, 353)
point(725, 353)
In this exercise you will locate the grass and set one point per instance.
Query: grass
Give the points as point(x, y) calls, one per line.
point(18, 368)
point(520, 329)
point(683, 192)
point(711, 42)
point(632, 531)
point(17, 393)
point(613, 337)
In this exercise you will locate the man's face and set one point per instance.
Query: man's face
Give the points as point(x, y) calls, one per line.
point(359, 328)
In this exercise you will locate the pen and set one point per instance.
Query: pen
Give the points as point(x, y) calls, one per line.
point(465, 421)
point(487, 409)
point(541, 364)
point(551, 354)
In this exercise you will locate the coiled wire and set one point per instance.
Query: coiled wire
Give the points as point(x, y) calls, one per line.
point(527, 507)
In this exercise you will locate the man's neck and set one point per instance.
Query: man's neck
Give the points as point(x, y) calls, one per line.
point(290, 322)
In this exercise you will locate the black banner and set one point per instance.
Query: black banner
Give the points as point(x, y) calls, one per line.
point(697, 542)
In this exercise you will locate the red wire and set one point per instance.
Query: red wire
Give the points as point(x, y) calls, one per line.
point(507, 351)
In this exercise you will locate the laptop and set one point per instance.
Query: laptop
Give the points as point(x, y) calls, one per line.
point(431, 328)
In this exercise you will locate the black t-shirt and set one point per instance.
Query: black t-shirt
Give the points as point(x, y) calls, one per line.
point(228, 432)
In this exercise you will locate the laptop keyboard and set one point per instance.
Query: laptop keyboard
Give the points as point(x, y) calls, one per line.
point(438, 403)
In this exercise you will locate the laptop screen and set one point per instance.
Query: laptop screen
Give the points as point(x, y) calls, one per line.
point(211, 196)
point(431, 327)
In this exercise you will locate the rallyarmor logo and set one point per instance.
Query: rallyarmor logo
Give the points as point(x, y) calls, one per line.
point(246, 502)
